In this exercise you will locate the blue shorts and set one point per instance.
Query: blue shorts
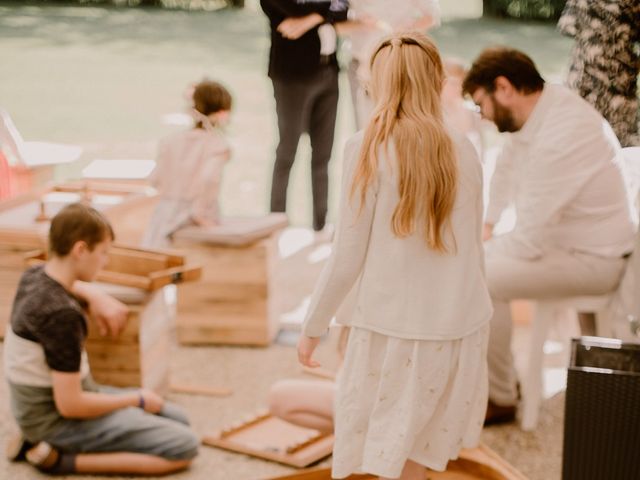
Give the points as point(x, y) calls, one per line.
point(129, 429)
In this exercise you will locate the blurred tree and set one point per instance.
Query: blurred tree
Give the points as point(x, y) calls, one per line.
point(524, 9)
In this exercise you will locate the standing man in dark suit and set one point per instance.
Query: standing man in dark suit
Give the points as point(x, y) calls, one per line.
point(304, 72)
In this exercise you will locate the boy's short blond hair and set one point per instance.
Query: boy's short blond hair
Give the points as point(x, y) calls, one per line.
point(77, 223)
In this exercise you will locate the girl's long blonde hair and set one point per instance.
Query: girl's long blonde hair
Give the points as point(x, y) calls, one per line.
point(406, 82)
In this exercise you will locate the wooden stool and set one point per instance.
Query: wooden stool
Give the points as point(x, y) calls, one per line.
point(232, 304)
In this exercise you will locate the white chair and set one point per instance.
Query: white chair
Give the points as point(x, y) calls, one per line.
point(32, 154)
point(546, 312)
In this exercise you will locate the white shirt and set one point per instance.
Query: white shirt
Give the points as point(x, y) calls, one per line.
point(564, 172)
point(404, 289)
point(391, 16)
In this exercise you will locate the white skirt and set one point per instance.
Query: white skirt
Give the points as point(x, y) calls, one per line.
point(400, 400)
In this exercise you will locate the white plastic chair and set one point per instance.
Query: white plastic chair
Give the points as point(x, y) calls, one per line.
point(32, 154)
point(546, 311)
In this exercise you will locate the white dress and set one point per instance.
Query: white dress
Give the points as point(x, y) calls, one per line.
point(414, 384)
point(187, 176)
point(401, 399)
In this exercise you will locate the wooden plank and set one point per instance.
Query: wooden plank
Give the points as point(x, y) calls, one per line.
point(27, 238)
point(125, 358)
point(480, 463)
point(175, 275)
point(194, 389)
point(130, 333)
point(231, 336)
point(117, 378)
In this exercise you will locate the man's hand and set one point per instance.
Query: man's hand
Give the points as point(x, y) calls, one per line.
point(487, 232)
point(110, 314)
point(293, 28)
point(152, 401)
point(306, 347)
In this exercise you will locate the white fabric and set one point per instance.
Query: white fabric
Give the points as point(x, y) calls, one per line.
point(328, 39)
point(408, 399)
point(187, 176)
point(564, 171)
point(391, 16)
point(406, 289)
point(25, 364)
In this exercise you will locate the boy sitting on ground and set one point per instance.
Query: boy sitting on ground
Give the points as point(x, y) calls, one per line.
point(69, 423)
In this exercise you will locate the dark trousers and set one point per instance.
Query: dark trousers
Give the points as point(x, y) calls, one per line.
point(305, 106)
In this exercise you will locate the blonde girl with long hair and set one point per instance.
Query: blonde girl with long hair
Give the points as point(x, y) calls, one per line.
point(413, 387)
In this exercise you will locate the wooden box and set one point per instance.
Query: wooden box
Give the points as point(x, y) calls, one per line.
point(233, 303)
point(480, 463)
point(139, 356)
point(146, 281)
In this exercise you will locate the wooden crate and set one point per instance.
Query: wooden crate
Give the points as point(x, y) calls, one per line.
point(233, 302)
point(139, 356)
point(146, 281)
point(480, 463)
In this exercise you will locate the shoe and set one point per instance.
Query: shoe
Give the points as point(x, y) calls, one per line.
point(43, 456)
point(16, 447)
point(497, 414)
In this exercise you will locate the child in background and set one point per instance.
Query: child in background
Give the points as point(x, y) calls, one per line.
point(412, 391)
point(70, 424)
point(189, 168)
point(458, 111)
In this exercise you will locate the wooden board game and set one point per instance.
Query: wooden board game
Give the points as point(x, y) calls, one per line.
point(480, 463)
point(272, 438)
point(232, 304)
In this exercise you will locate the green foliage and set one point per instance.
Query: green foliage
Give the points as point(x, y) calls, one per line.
point(524, 9)
point(174, 4)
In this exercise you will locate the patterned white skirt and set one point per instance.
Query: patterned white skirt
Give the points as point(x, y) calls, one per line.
point(400, 400)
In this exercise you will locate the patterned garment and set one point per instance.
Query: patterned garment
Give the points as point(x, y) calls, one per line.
point(606, 59)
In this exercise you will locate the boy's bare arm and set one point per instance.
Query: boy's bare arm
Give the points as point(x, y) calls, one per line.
point(110, 314)
point(72, 402)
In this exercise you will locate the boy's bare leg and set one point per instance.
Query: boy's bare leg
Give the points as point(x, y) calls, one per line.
point(411, 471)
point(127, 463)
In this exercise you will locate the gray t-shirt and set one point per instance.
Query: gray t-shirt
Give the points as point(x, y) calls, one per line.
point(47, 332)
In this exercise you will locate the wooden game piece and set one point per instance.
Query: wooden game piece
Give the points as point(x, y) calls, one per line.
point(42, 214)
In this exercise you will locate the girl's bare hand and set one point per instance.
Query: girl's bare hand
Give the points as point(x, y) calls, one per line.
point(306, 347)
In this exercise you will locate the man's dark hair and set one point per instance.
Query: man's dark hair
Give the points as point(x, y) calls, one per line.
point(76, 223)
point(514, 65)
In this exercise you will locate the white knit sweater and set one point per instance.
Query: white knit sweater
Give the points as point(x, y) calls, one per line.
point(399, 287)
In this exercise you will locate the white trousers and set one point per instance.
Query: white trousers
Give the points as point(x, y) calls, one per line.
point(557, 274)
